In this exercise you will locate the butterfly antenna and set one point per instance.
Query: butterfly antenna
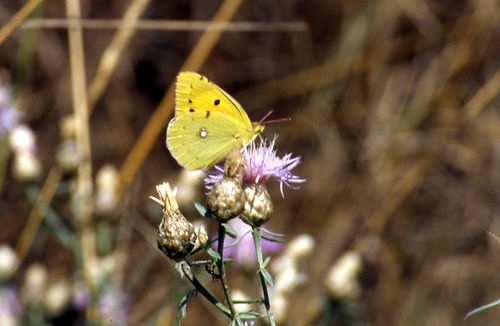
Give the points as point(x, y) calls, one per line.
point(262, 122)
point(268, 114)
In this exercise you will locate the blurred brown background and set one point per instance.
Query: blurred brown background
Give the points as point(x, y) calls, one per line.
point(394, 112)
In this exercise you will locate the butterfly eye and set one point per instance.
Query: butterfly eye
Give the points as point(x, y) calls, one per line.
point(217, 102)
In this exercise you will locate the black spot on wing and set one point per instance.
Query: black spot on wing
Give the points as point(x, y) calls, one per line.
point(217, 102)
point(207, 115)
point(191, 110)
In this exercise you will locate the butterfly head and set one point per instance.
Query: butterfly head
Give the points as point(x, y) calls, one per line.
point(257, 128)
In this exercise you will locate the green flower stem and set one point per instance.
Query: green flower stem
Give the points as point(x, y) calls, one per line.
point(222, 271)
point(189, 275)
point(258, 252)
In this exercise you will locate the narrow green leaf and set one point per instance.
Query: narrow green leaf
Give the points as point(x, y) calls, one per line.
point(237, 240)
point(267, 276)
point(475, 311)
point(223, 308)
point(272, 233)
point(229, 231)
point(200, 262)
point(214, 254)
point(180, 314)
point(249, 315)
point(273, 239)
point(266, 262)
point(202, 210)
point(182, 306)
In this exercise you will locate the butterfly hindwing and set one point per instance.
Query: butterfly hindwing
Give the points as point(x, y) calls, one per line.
point(199, 140)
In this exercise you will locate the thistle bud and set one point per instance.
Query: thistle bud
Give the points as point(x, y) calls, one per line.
point(227, 198)
point(176, 236)
point(203, 237)
point(234, 166)
point(258, 206)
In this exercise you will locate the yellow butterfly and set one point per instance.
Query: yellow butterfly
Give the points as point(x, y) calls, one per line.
point(208, 123)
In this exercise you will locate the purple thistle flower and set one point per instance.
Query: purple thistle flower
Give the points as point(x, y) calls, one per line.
point(9, 117)
point(214, 176)
point(261, 163)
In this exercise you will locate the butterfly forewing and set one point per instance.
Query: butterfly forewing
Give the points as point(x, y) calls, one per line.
point(194, 92)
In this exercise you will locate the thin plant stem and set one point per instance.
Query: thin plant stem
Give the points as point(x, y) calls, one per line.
point(36, 216)
point(82, 200)
point(190, 276)
point(166, 25)
point(258, 252)
point(111, 56)
point(222, 270)
point(18, 18)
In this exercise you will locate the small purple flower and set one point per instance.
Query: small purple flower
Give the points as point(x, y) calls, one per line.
point(261, 163)
point(11, 309)
point(113, 306)
point(9, 117)
point(81, 298)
